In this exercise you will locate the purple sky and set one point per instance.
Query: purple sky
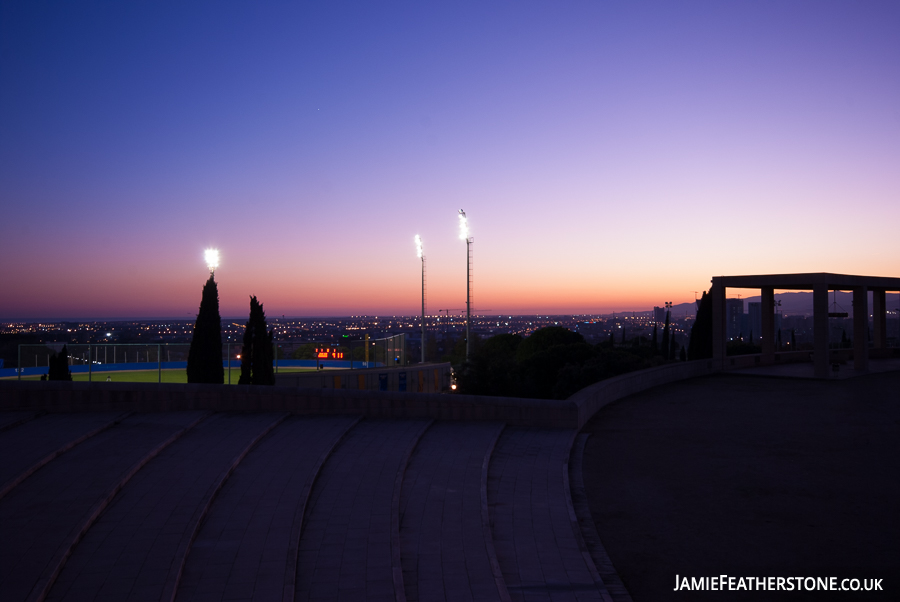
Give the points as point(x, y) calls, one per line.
point(610, 155)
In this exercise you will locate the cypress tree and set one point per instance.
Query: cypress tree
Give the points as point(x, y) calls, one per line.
point(59, 366)
point(257, 351)
point(653, 341)
point(700, 345)
point(673, 349)
point(204, 363)
point(665, 339)
point(793, 341)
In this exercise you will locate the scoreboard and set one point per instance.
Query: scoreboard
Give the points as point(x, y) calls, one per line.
point(329, 354)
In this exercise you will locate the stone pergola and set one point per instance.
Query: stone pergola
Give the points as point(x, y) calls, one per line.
point(820, 284)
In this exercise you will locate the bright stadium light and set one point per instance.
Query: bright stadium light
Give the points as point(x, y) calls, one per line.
point(212, 259)
point(421, 256)
point(464, 235)
point(463, 226)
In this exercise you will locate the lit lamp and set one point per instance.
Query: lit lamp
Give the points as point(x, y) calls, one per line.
point(464, 235)
point(212, 259)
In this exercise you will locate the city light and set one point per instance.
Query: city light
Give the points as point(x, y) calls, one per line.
point(212, 259)
point(418, 246)
point(463, 226)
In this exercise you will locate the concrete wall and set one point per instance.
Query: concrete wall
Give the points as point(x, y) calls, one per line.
point(548, 413)
point(590, 399)
point(60, 396)
point(422, 378)
point(150, 397)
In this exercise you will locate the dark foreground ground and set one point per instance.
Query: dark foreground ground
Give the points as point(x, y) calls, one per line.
point(750, 476)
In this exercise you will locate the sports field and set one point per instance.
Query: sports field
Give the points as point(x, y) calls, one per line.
point(152, 376)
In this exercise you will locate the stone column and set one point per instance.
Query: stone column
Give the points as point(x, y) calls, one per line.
point(717, 292)
point(860, 329)
point(767, 324)
point(820, 329)
point(879, 319)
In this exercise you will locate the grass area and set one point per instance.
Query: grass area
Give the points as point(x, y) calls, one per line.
point(152, 376)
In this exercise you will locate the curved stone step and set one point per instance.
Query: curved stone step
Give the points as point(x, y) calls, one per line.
point(42, 519)
point(396, 565)
point(537, 548)
point(346, 546)
point(31, 447)
point(134, 550)
point(10, 420)
point(604, 566)
point(445, 541)
point(184, 549)
point(254, 525)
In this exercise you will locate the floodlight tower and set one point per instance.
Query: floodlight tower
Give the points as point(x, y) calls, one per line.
point(422, 257)
point(212, 260)
point(464, 235)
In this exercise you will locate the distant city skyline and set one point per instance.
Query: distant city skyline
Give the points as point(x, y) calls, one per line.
point(608, 157)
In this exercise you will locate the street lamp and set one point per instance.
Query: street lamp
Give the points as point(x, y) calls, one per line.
point(212, 259)
point(464, 235)
point(421, 256)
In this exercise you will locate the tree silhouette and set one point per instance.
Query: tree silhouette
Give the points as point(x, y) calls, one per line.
point(59, 366)
point(653, 341)
point(701, 343)
point(204, 363)
point(257, 351)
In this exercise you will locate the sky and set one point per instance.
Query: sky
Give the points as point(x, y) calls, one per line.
point(609, 155)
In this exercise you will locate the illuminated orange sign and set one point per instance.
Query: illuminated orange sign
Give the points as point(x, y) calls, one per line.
point(329, 354)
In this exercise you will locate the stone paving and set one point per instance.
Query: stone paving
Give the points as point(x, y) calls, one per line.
point(41, 517)
point(11, 419)
point(749, 475)
point(346, 549)
point(244, 549)
point(25, 445)
point(136, 548)
point(445, 552)
point(263, 506)
point(536, 545)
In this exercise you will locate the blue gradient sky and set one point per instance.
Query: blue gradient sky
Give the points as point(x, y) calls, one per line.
point(610, 155)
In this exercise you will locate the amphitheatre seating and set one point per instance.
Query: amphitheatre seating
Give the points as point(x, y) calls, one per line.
point(198, 505)
point(537, 546)
point(445, 537)
point(255, 522)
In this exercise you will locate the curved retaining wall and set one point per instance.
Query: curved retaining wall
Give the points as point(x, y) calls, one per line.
point(152, 397)
point(592, 398)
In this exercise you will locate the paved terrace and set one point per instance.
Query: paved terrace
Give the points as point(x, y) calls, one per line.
point(496, 502)
point(749, 475)
point(197, 505)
